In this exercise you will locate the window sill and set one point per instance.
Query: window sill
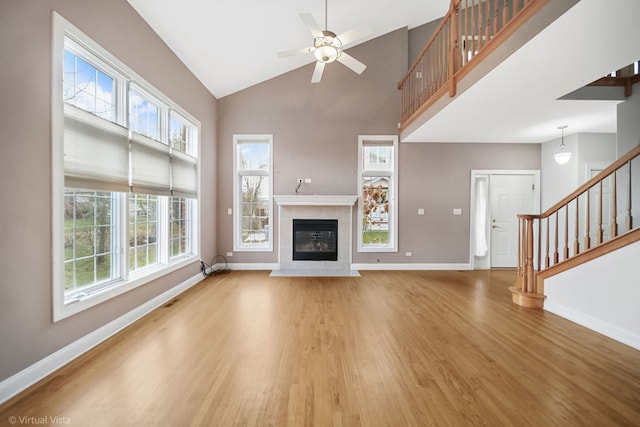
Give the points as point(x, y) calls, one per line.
point(76, 305)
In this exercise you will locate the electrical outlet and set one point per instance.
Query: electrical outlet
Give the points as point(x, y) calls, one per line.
point(229, 253)
point(420, 211)
point(408, 254)
point(307, 180)
point(229, 211)
point(300, 180)
point(457, 211)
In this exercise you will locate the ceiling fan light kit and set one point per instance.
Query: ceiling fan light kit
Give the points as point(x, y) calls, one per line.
point(327, 46)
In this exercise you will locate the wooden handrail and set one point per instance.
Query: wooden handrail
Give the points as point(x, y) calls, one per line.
point(424, 50)
point(528, 289)
point(590, 183)
point(469, 30)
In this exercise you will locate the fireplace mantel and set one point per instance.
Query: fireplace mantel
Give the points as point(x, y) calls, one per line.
point(315, 200)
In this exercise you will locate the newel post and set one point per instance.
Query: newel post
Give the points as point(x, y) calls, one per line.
point(524, 292)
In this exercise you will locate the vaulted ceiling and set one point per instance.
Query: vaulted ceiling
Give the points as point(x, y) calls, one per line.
point(232, 45)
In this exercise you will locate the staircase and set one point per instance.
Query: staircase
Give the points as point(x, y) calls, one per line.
point(594, 220)
point(598, 217)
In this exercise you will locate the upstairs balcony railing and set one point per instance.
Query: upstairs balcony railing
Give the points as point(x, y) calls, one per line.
point(593, 220)
point(625, 77)
point(470, 30)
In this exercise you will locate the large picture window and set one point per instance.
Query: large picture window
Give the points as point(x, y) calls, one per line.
point(377, 171)
point(124, 174)
point(252, 192)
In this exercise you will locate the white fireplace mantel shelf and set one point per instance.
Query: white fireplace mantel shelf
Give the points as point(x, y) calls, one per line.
point(315, 200)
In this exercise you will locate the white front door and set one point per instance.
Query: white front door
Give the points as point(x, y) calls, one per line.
point(510, 195)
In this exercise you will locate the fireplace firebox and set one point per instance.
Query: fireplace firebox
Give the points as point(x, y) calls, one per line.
point(315, 239)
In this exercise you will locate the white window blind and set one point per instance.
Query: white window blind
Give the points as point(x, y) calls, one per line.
point(150, 166)
point(96, 152)
point(102, 155)
point(184, 174)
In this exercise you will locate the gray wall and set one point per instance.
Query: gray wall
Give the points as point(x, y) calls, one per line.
point(628, 123)
point(316, 128)
point(26, 329)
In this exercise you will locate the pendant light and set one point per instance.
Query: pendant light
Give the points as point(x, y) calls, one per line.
point(562, 156)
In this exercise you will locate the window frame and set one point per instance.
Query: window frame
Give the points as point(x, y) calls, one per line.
point(381, 140)
point(65, 34)
point(238, 140)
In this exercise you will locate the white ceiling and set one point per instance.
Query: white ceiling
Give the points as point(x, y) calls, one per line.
point(232, 45)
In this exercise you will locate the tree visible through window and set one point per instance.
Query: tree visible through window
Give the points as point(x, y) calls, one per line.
point(377, 174)
point(88, 238)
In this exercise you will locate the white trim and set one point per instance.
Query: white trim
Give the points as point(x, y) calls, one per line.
point(411, 266)
point(367, 266)
point(472, 199)
point(315, 200)
point(607, 329)
point(250, 266)
point(39, 370)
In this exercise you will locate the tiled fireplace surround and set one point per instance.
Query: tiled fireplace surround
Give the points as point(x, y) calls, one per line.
point(314, 207)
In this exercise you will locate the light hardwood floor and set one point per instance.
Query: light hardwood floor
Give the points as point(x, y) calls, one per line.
point(385, 349)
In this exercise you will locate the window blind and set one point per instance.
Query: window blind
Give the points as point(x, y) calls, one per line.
point(96, 152)
point(102, 155)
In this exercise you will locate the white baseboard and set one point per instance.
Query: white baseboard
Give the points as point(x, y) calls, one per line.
point(624, 336)
point(363, 266)
point(410, 266)
point(254, 266)
point(39, 370)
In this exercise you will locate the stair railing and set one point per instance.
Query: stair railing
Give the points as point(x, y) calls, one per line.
point(470, 30)
point(599, 212)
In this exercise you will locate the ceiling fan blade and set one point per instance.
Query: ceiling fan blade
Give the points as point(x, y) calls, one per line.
point(354, 35)
point(295, 52)
point(351, 63)
point(317, 72)
point(311, 24)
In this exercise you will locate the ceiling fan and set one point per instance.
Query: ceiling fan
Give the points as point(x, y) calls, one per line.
point(328, 47)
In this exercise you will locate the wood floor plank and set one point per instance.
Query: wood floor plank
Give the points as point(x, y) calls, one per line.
point(397, 348)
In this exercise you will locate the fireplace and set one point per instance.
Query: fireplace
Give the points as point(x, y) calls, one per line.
point(315, 239)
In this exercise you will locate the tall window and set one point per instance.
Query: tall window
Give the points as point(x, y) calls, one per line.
point(253, 192)
point(377, 169)
point(124, 173)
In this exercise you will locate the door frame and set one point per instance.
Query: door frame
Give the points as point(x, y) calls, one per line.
point(477, 173)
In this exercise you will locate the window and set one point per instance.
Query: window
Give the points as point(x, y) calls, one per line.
point(252, 192)
point(124, 177)
point(144, 116)
point(143, 231)
point(86, 86)
point(89, 239)
point(377, 166)
point(180, 226)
